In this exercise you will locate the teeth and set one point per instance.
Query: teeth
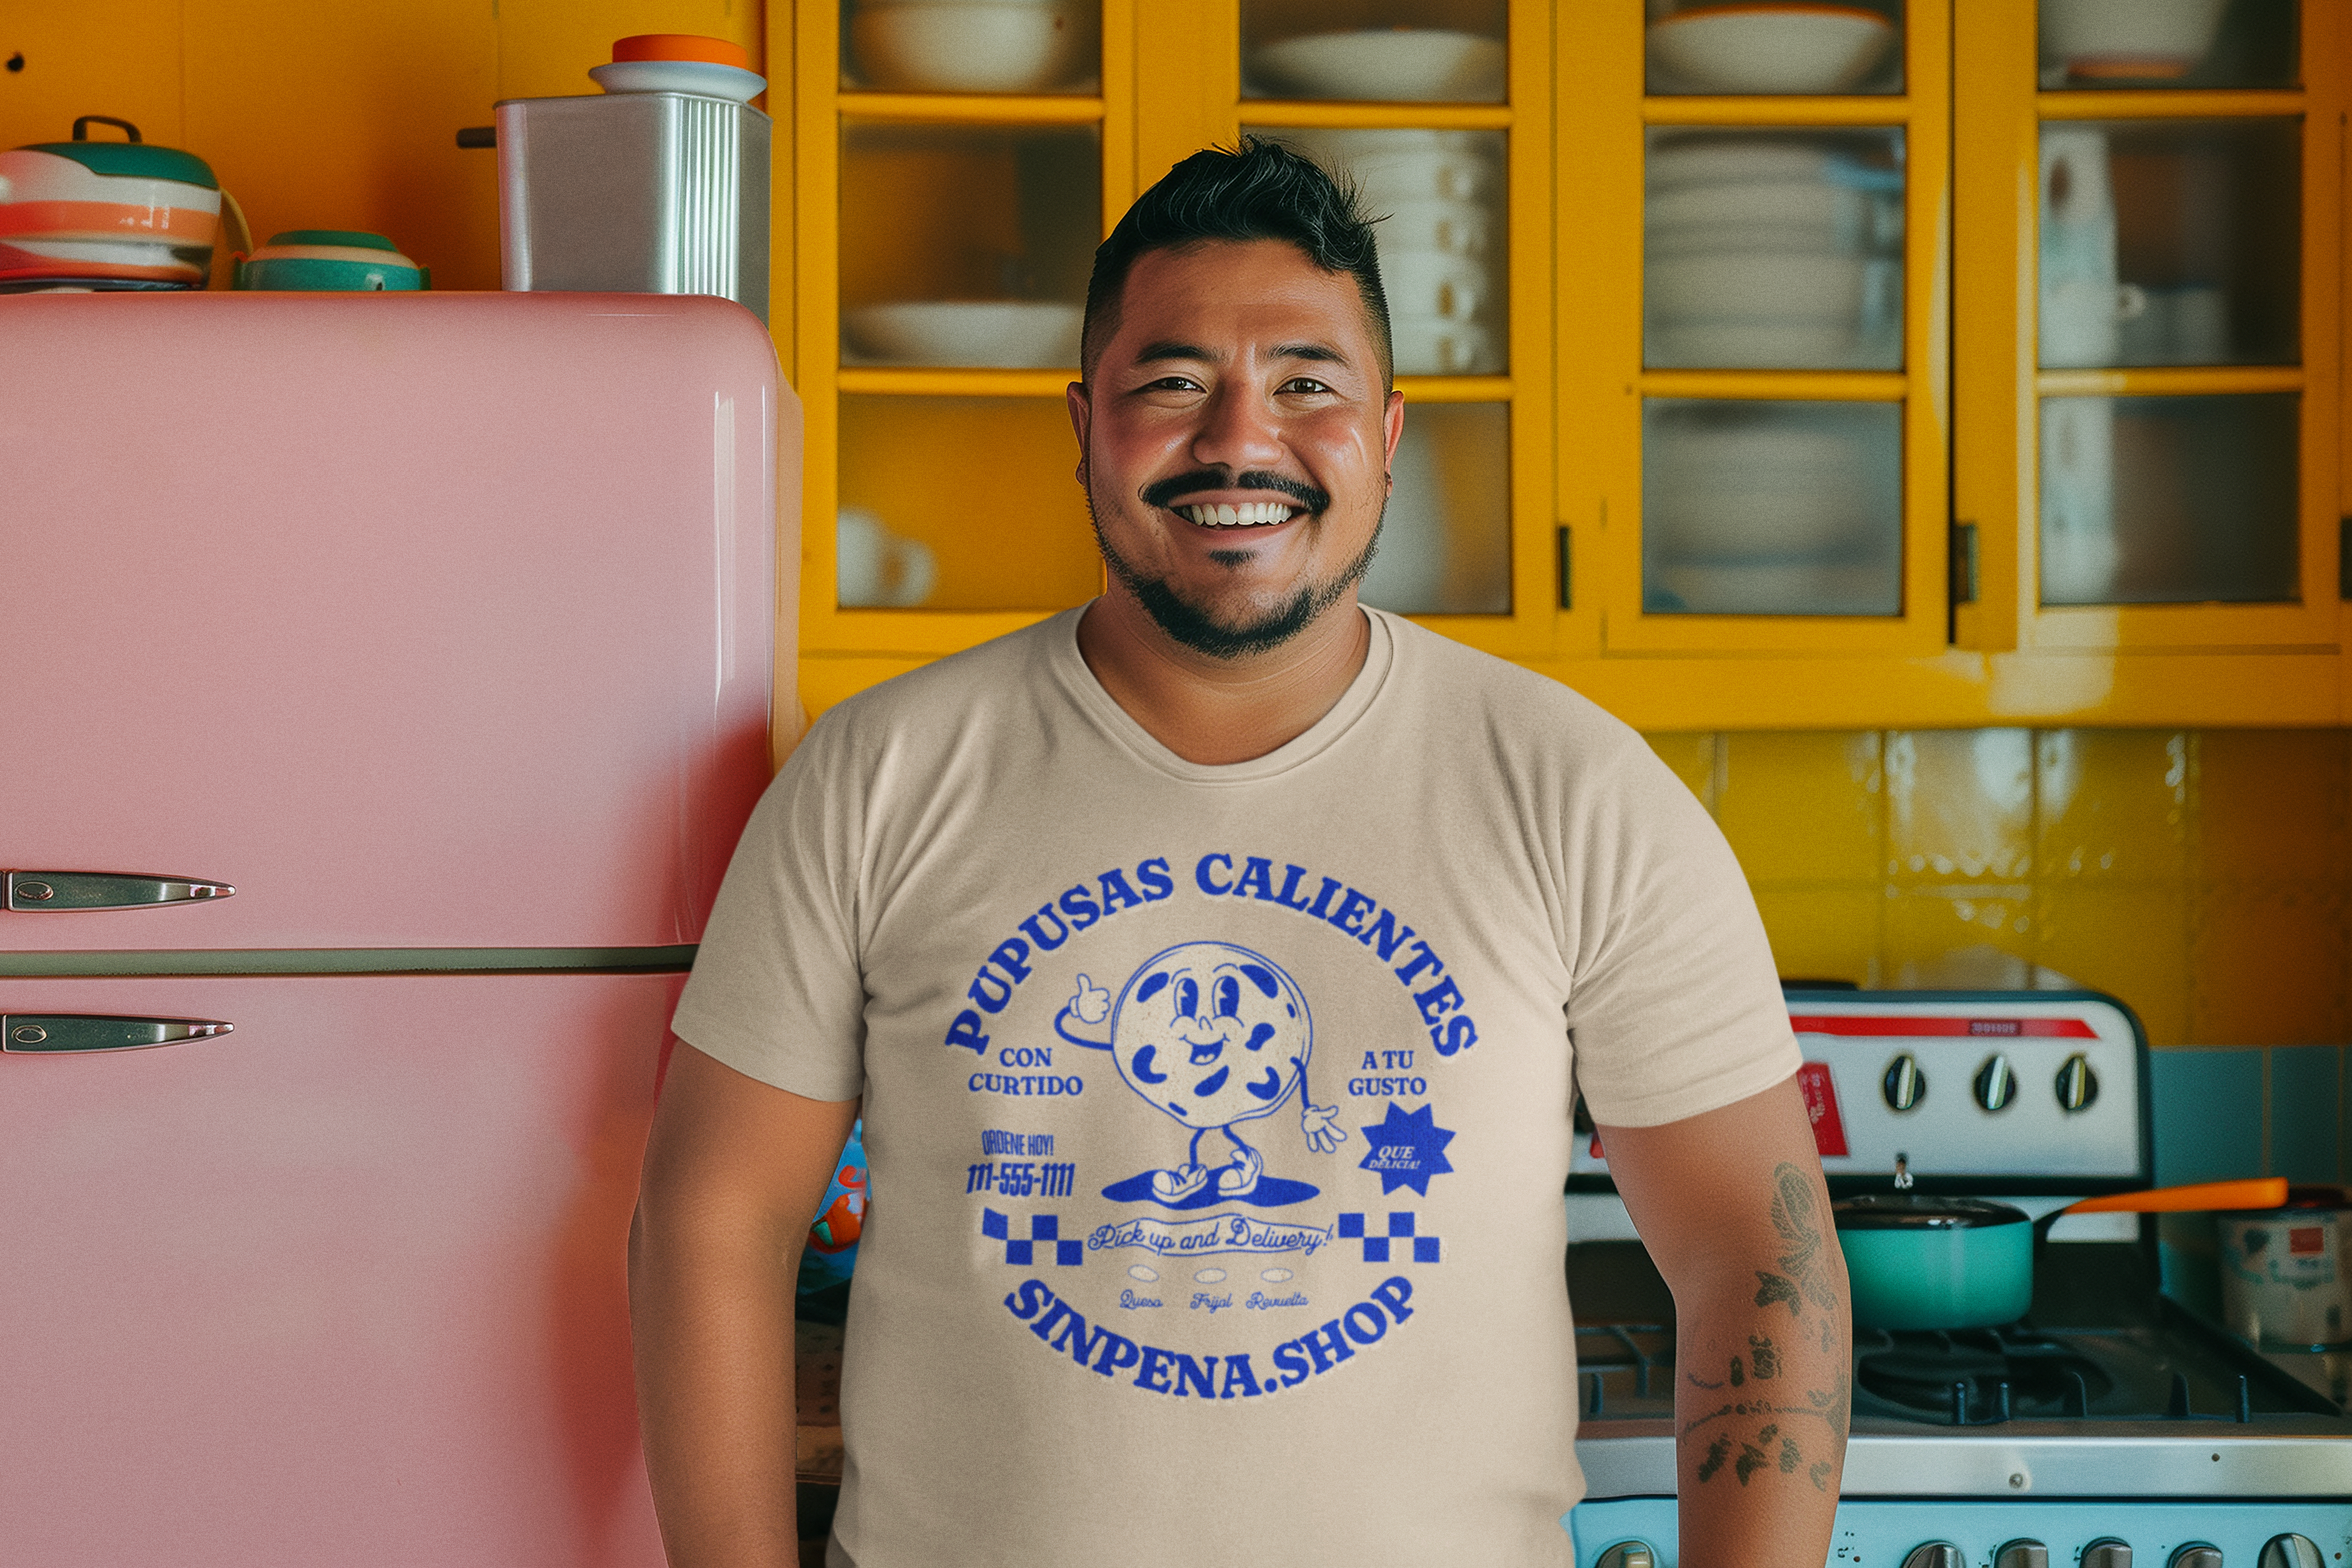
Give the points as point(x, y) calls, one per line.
point(1255, 515)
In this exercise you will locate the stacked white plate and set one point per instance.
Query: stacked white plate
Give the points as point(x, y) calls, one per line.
point(1772, 509)
point(1441, 241)
point(1770, 251)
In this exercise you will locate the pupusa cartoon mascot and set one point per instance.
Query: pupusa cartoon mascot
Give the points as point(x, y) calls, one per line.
point(1215, 1035)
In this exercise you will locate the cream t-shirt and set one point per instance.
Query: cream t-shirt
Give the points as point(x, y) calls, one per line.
point(1218, 1116)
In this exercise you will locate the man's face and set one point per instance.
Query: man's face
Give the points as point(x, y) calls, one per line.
point(1234, 440)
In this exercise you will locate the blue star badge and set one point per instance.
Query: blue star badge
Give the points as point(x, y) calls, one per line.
point(1407, 1150)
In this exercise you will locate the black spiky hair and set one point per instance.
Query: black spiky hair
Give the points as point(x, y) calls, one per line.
point(1263, 189)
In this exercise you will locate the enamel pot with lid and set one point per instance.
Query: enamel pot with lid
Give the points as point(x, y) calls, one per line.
point(108, 213)
point(1916, 1260)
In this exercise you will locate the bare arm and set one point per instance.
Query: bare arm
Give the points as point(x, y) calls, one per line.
point(733, 1176)
point(1732, 1207)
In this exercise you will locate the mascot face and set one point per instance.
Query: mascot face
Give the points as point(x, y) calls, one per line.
point(1212, 1033)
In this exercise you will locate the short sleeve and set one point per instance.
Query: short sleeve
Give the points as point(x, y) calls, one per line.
point(1674, 1004)
point(777, 989)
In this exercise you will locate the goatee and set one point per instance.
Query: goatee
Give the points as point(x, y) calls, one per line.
point(1193, 628)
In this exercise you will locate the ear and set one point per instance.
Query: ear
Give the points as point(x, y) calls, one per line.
point(1082, 412)
point(1393, 426)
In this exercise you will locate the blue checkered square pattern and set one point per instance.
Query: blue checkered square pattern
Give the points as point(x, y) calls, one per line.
point(1383, 1247)
point(1044, 1229)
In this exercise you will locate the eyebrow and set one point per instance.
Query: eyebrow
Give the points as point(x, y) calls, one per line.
point(1170, 349)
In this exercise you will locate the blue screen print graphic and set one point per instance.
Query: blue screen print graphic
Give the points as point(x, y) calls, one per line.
point(1213, 1036)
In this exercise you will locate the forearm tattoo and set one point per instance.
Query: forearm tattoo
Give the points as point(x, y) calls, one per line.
point(1766, 1426)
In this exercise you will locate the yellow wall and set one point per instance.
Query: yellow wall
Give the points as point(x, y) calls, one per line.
point(2199, 875)
point(331, 116)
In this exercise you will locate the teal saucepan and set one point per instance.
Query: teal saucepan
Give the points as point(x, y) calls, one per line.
point(1918, 1261)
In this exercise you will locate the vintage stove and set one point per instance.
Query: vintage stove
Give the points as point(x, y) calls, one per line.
point(2110, 1427)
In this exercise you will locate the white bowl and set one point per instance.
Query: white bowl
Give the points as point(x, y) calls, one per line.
point(1712, 158)
point(1752, 491)
point(1011, 334)
point(1752, 346)
point(1393, 168)
point(1776, 588)
point(2130, 39)
point(1771, 214)
point(1770, 48)
point(999, 45)
point(1785, 286)
point(1402, 65)
point(708, 79)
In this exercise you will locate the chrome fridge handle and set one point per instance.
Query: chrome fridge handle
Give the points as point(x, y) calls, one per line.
point(45, 1032)
point(51, 893)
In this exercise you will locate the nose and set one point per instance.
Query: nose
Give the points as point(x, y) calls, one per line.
point(1238, 431)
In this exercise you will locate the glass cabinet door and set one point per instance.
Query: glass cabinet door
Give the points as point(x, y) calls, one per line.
point(2156, 402)
point(950, 226)
point(1770, 447)
point(1425, 108)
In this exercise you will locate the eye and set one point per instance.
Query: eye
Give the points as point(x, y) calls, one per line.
point(1187, 999)
point(1303, 385)
point(1228, 998)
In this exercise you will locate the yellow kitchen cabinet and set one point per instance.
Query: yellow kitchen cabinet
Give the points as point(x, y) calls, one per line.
point(1701, 521)
point(948, 486)
point(2206, 454)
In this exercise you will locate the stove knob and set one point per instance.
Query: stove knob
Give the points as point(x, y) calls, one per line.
point(1627, 1554)
point(2291, 1551)
point(2022, 1554)
point(2106, 1552)
point(2077, 1085)
point(2197, 1554)
point(1906, 1085)
point(1996, 1085)
point(1937, 1554)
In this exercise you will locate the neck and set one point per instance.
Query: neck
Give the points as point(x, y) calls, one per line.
point(1214, 710)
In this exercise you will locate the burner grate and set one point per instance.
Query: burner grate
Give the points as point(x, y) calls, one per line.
point(1982, 1377)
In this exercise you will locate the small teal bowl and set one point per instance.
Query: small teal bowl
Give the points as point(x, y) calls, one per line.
point(337, 261)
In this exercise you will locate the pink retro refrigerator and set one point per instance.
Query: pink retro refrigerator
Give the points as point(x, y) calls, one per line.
point(383, 684)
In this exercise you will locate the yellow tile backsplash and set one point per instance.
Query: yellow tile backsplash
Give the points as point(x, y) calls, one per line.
point(1959, 804)
point(2204, 877)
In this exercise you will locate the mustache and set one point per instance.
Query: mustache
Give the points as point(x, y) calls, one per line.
point(1310, 497)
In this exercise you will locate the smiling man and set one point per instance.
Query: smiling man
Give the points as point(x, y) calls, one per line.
point(1217, 966)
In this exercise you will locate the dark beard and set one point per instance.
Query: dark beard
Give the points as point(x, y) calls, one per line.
point(1191, 626)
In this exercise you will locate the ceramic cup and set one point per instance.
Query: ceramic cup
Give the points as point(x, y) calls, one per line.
point(2083, 319)
point(876, 569)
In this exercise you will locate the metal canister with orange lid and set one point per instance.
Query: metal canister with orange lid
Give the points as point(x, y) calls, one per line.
point(658, 185)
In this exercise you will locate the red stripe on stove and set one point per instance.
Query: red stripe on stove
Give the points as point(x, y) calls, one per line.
point(1983, 1028)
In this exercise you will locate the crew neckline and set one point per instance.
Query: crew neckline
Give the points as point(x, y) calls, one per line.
point(1070, 665)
